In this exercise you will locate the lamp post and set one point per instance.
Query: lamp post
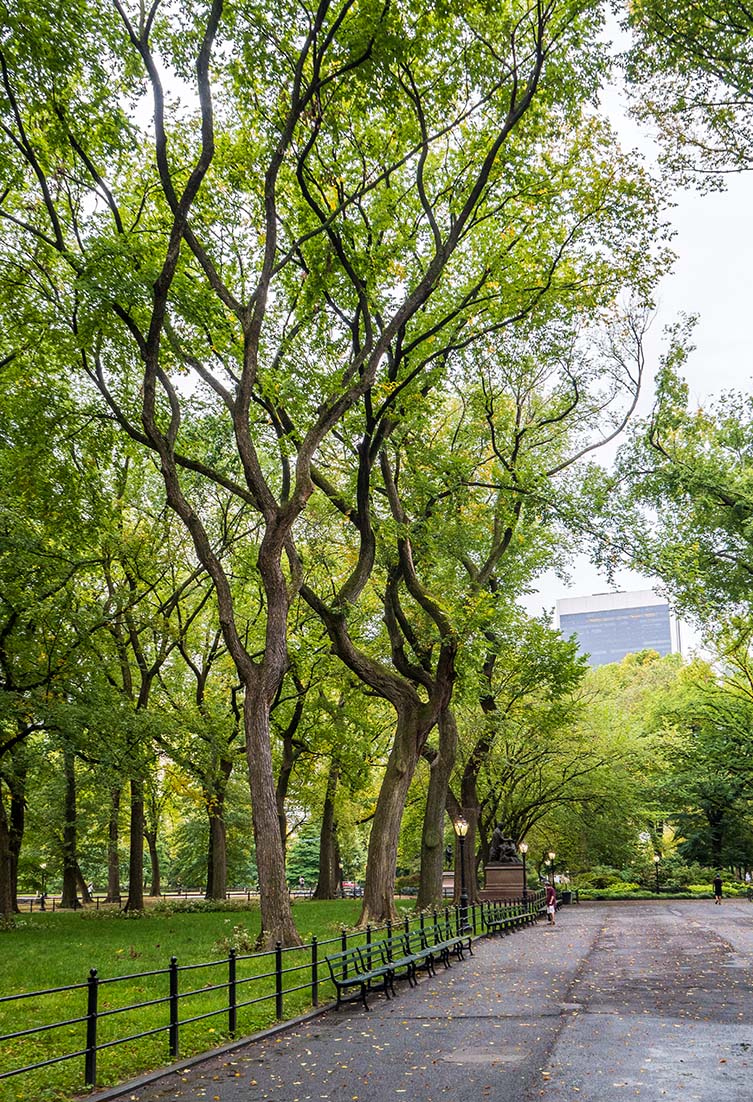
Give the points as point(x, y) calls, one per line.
point(657, 859)
point(523, 847)
point(551, 855)
point(461, 829)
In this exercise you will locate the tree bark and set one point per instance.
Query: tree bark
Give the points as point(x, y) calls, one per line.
point(83, 887)
point(7, 899)
point(329, 851)
point(151, 841)
point(113, 858)
point(217, 866)
point(291, 751)
point(283, 783)
point(69, 897)
point(135, 901)
point(276, 915)
point(260, 680)
point(17, 786)
point(432, 839)
point(216, 887)
point(379, 890)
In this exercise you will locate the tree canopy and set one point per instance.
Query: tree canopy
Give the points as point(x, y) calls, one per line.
point(313, 319)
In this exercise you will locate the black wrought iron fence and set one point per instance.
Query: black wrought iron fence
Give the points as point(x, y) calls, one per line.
point(286, 980)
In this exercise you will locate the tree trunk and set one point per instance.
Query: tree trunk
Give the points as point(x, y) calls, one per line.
point(17, 785)
point(290, 754)
point(432, 840)
point(70, 861)
point(113, 858)
point(217, 872)
point(210, 855)
point(276, 914)
point(151, 841)
point(216, 887)
point(135, 901)
point(281, 788)
point(379, 891)
point(7, 899)
point(83, 887)
point(329, 854)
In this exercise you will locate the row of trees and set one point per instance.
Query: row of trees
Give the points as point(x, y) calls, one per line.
point(638, 752)
point(311, 319)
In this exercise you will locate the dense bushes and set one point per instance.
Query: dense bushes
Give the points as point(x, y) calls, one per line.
point(639, 881)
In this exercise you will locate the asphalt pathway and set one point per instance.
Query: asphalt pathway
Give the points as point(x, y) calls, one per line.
point(617, 1001)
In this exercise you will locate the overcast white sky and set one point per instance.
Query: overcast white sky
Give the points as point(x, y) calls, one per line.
point(711, 278)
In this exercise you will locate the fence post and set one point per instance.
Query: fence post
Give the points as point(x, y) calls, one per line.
point(278, 980)
point(231, 991)
point(173, 1031)
point(389, 927)
point(314, 971)
point(406, 924)
point(343, 939)
point(90, 1061)
point(473, 919)
point(368, 946)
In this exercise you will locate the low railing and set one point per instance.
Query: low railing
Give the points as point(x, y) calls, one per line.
point(27, 903)
point(278, 974)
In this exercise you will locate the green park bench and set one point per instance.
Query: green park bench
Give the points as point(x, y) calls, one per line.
point(446, 943)
point(409, 951)
point(349, 970)
point(503, 918)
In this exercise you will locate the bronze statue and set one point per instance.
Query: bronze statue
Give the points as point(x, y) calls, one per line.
point(502, 850)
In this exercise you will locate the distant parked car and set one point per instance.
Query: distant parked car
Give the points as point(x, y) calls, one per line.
point(352, 889)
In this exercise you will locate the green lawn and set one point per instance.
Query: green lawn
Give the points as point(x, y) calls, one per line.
point(54, 950)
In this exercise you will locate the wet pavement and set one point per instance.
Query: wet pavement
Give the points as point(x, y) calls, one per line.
point(617, 1001)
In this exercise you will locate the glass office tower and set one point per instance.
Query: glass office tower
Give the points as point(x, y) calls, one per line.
point(610, 625)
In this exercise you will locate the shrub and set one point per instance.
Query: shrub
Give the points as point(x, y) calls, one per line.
point(405, 885)
point(239, 939)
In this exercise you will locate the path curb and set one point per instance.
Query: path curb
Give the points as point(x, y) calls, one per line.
point(150, 1077)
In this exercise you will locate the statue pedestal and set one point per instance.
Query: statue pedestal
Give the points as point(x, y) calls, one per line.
point(502, 882)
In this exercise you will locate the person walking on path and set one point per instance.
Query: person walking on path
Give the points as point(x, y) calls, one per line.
point(551, 903)
point(718, 889)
